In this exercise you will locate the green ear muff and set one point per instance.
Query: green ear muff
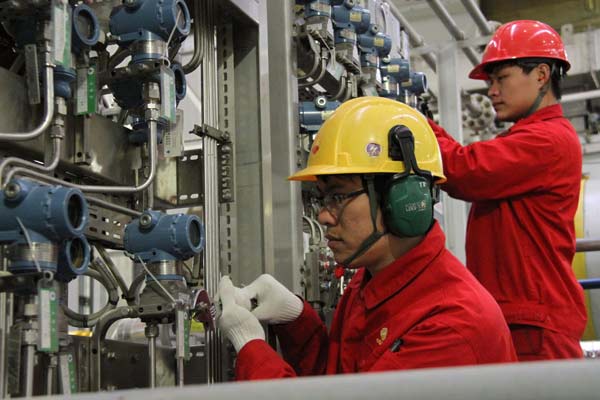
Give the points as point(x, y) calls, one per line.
point(408, 206)
point(407, 200)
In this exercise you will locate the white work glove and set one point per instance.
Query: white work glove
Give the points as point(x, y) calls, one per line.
point(237, 323)
point(275, 303)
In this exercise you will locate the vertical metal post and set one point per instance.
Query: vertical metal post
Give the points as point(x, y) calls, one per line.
point(455, 211)
point(3, 329)
point(50, 374)
point(151, 332)
point(29, 364)
point(282, 200)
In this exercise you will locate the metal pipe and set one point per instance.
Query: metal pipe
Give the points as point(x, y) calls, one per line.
point(113, 207)
point(593, 283)
point(180, 368)
point(313, 232)
point(134, 288)
point(99, 334)
point(92, 200)
point(416, 40)
point(29, 364)
point(113, 269)
point(2, 338)
point(478, 17)
point(198, 44)
point(152, 358)
point(19, 161)
point(548, 380)
point(443, 14)
point(153, 127)
point(50, 375)
point(587, 245)
point(106, 189)
point(81, 320)
point(151, 332)
point(591, 94)
point(48, 110)
point(4, 324)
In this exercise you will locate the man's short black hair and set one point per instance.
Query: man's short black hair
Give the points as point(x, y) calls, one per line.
point(557, 69)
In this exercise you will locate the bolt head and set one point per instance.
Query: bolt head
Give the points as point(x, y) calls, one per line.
point(12, 190)
point(145, 220)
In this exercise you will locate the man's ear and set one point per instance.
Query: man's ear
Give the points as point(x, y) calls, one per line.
point(543, 72)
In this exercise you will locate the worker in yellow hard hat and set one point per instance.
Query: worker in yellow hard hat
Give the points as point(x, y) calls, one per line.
point(411, 303)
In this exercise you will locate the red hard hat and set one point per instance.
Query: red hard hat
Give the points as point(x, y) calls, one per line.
point(522, 39)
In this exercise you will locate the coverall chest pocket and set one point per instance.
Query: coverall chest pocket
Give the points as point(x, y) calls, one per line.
point(379, 346)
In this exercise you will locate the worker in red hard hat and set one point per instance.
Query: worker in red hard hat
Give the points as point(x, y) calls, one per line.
point(524, 189)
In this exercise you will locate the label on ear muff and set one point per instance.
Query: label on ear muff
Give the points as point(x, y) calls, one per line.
point(408, 206)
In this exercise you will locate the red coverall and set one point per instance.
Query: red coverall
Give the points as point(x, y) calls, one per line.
point(423, 310)
point(524, 188)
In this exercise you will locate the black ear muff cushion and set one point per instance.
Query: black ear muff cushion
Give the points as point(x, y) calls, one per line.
point(408, 206)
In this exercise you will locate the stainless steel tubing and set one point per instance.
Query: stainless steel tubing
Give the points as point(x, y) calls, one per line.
point(106, 189)
point(92, 200)
point(48, 110)
point(19, 161)
point(416, 40)
point(82, 320)
point(153, 154)
point(113, 269)
point(99, 334)
point(454, 30)
point(478, 17)
point(134, 288)
point(210, 96)
point(113, 207)
point(198, 42)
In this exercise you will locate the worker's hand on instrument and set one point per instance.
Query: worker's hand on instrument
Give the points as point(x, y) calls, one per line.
point(275, 303)
point(237, 323)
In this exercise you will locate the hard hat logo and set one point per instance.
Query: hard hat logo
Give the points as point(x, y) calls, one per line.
point(355, 140)
point(373, 149)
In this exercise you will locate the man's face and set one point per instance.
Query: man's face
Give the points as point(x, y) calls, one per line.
point(347, 217)
point(513, 91)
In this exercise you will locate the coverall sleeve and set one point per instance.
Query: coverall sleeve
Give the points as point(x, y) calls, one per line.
point(304, 345)
point(257, 360)
point(504, 167)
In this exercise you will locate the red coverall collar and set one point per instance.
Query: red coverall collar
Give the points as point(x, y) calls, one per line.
point(402, 271)
point(553, 111)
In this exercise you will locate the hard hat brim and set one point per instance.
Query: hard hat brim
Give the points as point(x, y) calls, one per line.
point(311, 173)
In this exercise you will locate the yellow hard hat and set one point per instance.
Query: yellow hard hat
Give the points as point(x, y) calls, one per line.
point(354, 140)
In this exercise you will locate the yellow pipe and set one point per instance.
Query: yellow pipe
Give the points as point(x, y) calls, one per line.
point(579, 263)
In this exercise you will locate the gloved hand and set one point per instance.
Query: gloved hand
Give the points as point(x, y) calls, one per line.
point(237, 323)
point(276, 304)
